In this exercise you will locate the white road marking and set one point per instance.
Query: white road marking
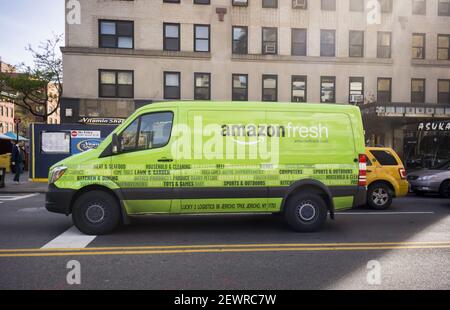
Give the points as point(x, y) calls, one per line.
point(16, 197)
point(381, 213)
point(70, 239)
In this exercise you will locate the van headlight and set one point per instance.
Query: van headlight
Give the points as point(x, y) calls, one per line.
point(56, 174)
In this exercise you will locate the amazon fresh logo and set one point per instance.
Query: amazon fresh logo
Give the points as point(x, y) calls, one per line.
point(280, 131)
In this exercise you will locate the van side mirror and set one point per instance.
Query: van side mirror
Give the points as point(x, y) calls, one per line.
point(115, 144)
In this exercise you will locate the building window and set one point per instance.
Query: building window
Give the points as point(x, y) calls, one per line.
point(419, 7)
point(384, 90)
point(444, 8)
point(357, 5)
point(418, 90)
point(172, 88)
point(356, 41)
point(298, 41)
point(171, 1)
point(202, 86)
point(240, 40)
point(116, 34)
point(116, 84)
point(328, 89)
point(240, 87)
point(201, 38)
point(444, 91)
point(384, 45)
point(328, 5)
point(418, 46)
point(328, 43)
point(356, 93)
point(299, 88)
point(171, 37)
point(270, 88)
point(386, 6)
point(269, 40)
point(270, 4)
point(443, 47)
point(202, 2)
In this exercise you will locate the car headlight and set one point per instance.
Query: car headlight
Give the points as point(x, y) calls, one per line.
point(426, 178)
point(56, 174)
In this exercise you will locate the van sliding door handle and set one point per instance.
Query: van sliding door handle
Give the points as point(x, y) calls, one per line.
point(165, 160)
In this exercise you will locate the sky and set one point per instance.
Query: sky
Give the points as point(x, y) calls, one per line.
point(24, 22)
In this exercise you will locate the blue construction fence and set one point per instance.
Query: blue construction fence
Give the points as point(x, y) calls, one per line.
point(50, 144)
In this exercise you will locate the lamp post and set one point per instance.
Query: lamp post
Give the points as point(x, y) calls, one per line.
point(17, 121)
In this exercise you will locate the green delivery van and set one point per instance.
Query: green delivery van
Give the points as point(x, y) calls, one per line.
point(304, 161)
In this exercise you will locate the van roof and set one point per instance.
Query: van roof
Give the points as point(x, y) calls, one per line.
point(346, 108)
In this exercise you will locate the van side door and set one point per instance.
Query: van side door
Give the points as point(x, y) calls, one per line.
point(220, 167)
point(143, 167)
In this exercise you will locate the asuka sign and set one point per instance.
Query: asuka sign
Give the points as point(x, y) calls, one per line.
point(434, 126)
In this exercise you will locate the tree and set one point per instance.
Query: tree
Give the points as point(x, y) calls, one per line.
point(32, 88)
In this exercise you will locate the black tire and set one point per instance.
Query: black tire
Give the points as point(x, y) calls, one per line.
point(306, 212)
point(96, 213)
point(379, 196)
point(444, 189)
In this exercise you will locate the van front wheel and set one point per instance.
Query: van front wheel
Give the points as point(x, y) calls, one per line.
point(306, 212)
point(96, 213)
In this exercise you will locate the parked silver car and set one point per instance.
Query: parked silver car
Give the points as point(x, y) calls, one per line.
point(435, 180)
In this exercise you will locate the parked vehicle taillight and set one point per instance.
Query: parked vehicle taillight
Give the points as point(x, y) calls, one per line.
point(362, 179)
point(403, 174)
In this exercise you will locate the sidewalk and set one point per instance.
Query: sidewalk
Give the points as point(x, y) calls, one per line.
point(25, 186)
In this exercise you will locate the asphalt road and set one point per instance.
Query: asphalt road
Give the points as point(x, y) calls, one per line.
point(410, 244)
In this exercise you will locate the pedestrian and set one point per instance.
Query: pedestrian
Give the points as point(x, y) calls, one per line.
point(17, 159)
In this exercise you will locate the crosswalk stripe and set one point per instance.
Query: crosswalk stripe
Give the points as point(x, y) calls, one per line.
point(70, 239)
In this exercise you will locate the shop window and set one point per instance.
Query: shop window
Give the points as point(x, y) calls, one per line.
point(299, 88)
point(270, 88)
point(328, 89)
point(240, 87)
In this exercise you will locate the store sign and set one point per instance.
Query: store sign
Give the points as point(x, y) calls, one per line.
point(434, 126)
point(84, 140)
point(101, 121)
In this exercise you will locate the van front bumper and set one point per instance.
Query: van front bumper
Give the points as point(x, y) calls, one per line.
point(59, 200)
point(360, 197)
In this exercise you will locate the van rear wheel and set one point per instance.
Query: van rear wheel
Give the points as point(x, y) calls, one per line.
point(306, 212)
point(96, 213)
point(379, 196)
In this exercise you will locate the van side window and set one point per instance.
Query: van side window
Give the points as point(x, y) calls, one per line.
point(385, 158)
point(150, 131)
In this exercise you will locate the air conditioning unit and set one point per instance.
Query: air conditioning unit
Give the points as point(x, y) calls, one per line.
point(240, 2)
point(270, 48)
point(299, 4)
point(356, 98)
